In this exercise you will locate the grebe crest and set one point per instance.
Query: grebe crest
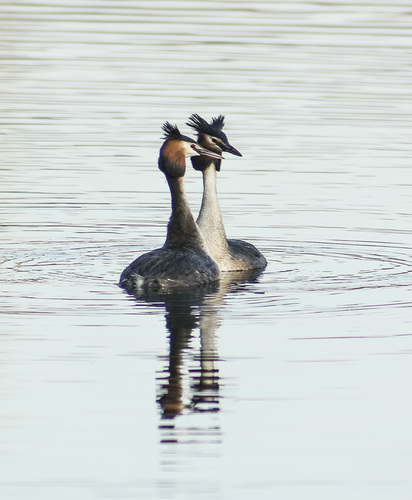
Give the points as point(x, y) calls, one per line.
point(211, 136)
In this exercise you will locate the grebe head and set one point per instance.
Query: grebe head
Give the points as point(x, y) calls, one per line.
point(210, 135)
point(176, 148)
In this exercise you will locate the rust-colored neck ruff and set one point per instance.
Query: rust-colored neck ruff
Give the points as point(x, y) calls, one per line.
point(172, 159)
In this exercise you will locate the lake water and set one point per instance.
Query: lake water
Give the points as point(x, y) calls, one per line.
point(295, 383)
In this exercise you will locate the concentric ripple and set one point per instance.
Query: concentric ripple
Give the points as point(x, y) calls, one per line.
point(303, 277)
point(330, 277)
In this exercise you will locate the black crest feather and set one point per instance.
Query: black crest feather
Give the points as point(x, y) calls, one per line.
point(171, 131)
point(214, 128)
point(219, 122)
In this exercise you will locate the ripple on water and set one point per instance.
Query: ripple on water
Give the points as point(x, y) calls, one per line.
point(328, 278)
point(303, 277)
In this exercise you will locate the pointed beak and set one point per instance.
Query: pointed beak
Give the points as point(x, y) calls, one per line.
point(229, 149)
point(206, 152)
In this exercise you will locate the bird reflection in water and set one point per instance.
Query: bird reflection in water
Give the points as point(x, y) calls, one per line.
point(189, 382)
point(182, 386)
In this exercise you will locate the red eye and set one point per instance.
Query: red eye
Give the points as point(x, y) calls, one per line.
point(192, 146)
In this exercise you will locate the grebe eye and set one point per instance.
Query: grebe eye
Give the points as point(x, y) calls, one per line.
point(193, 146)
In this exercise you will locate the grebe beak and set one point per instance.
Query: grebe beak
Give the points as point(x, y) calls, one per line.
point(229, 149)
point(206, 152)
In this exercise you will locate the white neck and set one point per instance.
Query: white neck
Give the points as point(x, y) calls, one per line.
point(210, 219)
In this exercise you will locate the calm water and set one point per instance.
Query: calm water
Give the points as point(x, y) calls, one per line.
point(294, 383)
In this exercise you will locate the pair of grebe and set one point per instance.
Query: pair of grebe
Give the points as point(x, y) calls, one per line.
point(194, 253)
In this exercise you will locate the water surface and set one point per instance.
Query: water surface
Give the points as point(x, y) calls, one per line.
point(292, 383)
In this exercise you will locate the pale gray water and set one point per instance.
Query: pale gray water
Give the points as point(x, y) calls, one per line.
point(296, 385)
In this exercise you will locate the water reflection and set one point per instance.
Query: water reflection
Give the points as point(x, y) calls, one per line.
point(178, 388)
point(189, 381)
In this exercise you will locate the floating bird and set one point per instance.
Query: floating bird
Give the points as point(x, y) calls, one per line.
point(230, 254)
point(184, 260)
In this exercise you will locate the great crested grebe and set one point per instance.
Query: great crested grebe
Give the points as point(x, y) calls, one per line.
point(230, 254)
point(184, 260)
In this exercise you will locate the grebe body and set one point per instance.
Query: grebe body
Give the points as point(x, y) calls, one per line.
point(230, 254)
point(184, 260)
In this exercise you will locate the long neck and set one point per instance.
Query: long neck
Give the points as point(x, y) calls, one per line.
point(210, 219)
point(182, 229)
